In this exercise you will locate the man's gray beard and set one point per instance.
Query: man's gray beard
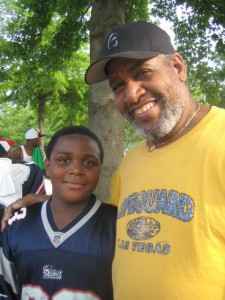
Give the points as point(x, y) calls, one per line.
point(170, 115)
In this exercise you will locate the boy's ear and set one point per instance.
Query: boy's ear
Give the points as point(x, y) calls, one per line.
point(47, 163)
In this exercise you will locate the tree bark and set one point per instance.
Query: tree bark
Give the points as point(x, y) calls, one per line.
point(104, 119)
point(41, 116)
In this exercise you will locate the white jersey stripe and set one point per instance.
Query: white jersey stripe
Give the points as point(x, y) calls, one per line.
point(58, 237)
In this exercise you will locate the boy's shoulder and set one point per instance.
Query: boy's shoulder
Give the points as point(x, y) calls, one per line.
point(109, 207)
point(107, 212)
point(24, 217)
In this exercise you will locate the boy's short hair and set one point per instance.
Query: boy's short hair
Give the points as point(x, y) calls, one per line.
point(81, 130)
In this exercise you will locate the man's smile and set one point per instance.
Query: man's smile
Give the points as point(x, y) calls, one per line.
point(145, 108)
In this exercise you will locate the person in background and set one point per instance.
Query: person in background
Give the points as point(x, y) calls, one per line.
point(35, 183)
point(9, 141)
point(170, 189)
point(63, 248)
point(30, 151)
point(17, 179)
point(12, 176)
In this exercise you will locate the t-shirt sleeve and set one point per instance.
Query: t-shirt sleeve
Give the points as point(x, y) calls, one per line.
point(115, 189)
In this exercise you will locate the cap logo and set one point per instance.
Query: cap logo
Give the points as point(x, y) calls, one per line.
point(112, 41)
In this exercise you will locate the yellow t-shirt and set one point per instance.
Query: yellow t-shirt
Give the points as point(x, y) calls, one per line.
point(171, 218)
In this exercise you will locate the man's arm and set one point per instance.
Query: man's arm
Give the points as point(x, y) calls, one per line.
point(27, 200)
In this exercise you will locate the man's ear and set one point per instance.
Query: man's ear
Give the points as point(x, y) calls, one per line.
point(179, 65)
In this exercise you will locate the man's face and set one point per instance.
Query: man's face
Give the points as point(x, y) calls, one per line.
point(35, 142)
point(149, 92)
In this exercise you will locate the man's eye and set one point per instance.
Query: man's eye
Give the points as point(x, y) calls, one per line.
point(144, 73)
point(117, 87)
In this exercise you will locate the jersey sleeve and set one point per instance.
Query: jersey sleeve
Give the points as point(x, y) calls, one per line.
point(8, 282)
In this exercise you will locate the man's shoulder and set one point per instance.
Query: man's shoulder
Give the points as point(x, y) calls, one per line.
point(109, 209)
point(20, 171)
point(218, 113)
point(216, 121)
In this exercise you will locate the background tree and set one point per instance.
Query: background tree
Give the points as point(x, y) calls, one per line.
point(37, 52)
point(103, 117)
point(42, 69)
point(199, 28)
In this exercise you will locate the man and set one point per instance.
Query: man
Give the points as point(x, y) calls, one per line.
point(30, 151)
point(170, 189)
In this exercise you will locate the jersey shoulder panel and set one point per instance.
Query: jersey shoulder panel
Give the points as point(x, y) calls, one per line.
point(24, 217)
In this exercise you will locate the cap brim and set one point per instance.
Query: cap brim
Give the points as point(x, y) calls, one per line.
point(96, 71)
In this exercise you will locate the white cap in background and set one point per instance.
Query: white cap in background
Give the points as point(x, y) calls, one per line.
point(31, 134)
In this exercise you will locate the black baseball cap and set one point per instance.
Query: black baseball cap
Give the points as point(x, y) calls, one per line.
point(138, 40)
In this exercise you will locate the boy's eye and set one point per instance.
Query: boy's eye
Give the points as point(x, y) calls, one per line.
point(90, 163)
point(63, 161)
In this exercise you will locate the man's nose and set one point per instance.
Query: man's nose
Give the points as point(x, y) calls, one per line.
point(134, 91)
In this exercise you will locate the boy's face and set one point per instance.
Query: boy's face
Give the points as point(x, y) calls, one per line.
point(74, 168)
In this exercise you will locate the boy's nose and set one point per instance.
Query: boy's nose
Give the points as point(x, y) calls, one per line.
point(75, 167)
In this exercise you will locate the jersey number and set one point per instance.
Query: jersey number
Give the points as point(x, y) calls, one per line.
point(30, 292)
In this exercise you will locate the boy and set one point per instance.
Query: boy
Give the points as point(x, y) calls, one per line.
point(63, 248)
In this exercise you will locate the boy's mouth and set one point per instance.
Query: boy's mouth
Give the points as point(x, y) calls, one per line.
point(74, 185)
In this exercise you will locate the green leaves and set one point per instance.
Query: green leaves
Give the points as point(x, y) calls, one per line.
point(137, 10)
point(38, 59)
point(200, 36)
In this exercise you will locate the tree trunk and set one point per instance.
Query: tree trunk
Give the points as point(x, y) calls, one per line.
point(104, 119)
point(41, 115)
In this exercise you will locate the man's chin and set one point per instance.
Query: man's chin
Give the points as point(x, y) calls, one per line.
point(160, 128)
point(145, 132)
point(153, 133)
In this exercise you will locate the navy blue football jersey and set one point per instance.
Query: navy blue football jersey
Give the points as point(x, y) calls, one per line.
point(40, 262)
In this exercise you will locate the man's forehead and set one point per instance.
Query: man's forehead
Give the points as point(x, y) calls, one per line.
point(115, 65)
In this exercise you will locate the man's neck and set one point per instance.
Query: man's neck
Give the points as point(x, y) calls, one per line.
point(187, 122)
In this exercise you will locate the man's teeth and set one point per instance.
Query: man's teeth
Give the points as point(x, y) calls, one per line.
point(144, 108)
